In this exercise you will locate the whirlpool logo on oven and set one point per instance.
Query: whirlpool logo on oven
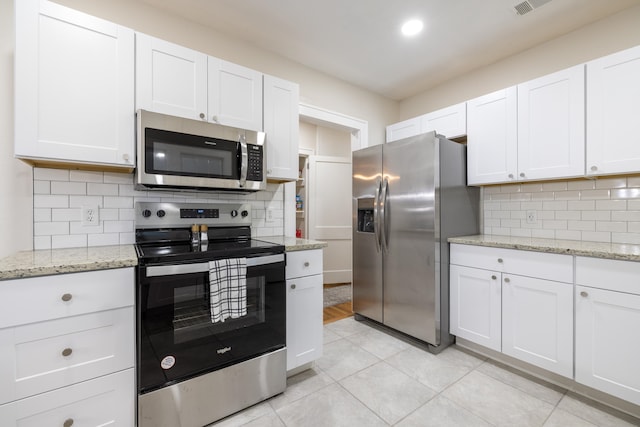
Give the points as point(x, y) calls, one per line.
point(224, 350)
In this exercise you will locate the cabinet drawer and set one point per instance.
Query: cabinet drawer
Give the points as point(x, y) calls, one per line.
point(304, 263)
point(36, 299)
point(43, 356)
point(108, 400)
point(524, 263)
point(613, 275)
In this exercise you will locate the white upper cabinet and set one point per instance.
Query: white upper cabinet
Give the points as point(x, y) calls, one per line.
point(403, 129)
point(450, 122)
point(551, 135)
point(74, 87)
point(170, 79)
point(178, 81)
point(613, 113)
point(281, 124)
point(235, 95)
point(492, 138)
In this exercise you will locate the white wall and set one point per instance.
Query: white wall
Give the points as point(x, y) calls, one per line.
point(617, 32)
point(15, 177)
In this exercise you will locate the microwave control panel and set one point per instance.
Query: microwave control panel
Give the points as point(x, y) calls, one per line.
point(255, 162)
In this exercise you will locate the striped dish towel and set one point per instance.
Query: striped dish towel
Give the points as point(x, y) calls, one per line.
point(228, 288)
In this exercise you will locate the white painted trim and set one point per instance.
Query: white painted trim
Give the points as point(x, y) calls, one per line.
point(358, 128)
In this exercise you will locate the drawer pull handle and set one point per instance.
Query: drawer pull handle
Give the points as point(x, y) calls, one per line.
point(507, 280)
point(293, 286)
point(68, 422)
point(306, 264)
point(66, 297)
point(584, 294)
point(493, 277)
point(500, 260)
point(67, 352)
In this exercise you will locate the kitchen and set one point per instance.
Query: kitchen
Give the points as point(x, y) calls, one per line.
point(316, 88)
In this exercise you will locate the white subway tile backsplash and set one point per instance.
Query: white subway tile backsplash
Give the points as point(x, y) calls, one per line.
point(568, 235)
point(542, 196)
point(625, 216)
point(633, 181)
point(567, 195)
point(611, 205)
point(625, 193)
point(50, 201)
point(543, 233)
point(41, 187)
point(555, 224)
point(611, 226)
point(611, 182)
point(521, 232)
point(594, 194)
point(59, 194)
point(633, 227)
point(47, 174)
point(532, 187)
point(596, 236)
point(581, 205)
point(568, 215)
point(86, 176)
point(596, 216)
point(582, 225)
point(554, 186)
point(510, 223)
point(632, 238)
point(100, 189)
point(558, 205)
point(71, 241)
point(581, 185)
point(50, 228)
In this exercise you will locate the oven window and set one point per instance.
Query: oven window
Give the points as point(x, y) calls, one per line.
point(173, 153)
point(185, 311)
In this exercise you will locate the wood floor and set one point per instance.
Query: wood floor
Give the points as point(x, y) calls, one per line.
point(336, 312)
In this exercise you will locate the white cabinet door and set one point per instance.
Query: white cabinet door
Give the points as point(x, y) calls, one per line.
point(170, 79)
point(104, 401)
point(235, 95)
point(281, 124)
point(74, 86)
point(537, 322)
point(450, 122)
point(551, 120)
point(613, 112)
point(475, 306)
point(492, 151)
point(403, 129)
point(304, 320)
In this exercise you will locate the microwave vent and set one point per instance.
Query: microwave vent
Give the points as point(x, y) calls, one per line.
point(529, 5)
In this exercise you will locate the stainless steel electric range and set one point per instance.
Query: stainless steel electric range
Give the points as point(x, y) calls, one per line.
point(211, 307)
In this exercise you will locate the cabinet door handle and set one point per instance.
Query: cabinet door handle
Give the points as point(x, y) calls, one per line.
point(500, 260)
point(306, 264)
point(66, 297)
point(125, 157)
point(67, 352)
point(68, 422)
point(584, 294)
point(521, 174)
point(594, 168)
point(293, 286)
point(202, 115)
point(510, 176)
point(493, 277)
point(214, 118)
point(507, 280)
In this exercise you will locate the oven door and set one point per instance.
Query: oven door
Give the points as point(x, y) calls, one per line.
point(177, 338)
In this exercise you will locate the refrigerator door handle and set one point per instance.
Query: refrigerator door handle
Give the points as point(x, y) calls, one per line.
point(383, 213)
point(376, 216)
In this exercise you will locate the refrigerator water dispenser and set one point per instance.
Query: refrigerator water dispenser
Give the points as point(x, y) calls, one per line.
point(365, 215)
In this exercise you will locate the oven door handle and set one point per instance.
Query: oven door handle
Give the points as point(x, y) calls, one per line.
point(202, 267)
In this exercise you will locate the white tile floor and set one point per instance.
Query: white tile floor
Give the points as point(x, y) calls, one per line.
point(369, 378)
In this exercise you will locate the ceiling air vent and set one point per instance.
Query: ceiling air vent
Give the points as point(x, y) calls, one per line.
point(528, 5)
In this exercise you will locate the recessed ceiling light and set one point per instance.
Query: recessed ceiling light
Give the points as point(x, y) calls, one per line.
point(412, 27)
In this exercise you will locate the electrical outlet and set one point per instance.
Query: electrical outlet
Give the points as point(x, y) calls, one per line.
point(90, 215)
point(532, 217)
point(269, 214)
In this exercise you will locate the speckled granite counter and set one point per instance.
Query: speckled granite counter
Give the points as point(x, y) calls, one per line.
point(625, 252)
point(46, 262)
point(293, 243)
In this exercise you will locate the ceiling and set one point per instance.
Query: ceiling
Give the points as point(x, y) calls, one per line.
point(359, 41)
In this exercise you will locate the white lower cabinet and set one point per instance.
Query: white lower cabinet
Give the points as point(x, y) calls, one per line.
point(67, 349)
point(104, 401)
point(304, 307)
point(537, 322)
point(507, 300)
point(607, 325)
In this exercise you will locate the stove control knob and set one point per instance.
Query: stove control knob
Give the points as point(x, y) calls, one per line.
point(161, 213)
point(234, 213)
point(146, 213)
point(244, 213)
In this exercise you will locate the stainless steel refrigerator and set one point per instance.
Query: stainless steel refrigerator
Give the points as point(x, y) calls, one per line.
point(409, 197)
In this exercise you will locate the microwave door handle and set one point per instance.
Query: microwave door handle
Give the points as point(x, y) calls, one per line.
point(244, 160)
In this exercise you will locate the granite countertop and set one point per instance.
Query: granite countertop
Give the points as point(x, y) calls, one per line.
point(625, 252)
point(292, 244)
point(72, 260)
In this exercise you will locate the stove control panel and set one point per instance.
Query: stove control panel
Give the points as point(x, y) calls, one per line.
point(164, 214)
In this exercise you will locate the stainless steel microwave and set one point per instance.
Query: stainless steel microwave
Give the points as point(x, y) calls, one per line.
point(185, 154)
